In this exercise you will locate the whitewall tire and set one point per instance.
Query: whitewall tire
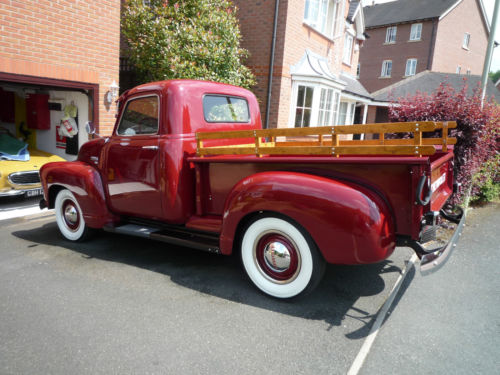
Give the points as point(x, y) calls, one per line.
point(280, 258)
point(69, 216)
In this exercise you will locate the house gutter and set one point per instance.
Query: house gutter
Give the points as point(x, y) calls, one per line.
point(271, 65)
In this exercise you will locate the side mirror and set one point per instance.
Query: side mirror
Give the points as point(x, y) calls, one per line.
point(89, 127)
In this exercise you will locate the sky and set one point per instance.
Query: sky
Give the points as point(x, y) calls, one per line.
point(488, 5)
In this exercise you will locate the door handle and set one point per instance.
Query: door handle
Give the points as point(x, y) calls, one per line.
point(150, 147)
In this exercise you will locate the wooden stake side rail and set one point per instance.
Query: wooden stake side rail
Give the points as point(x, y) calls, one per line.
point(327, 140)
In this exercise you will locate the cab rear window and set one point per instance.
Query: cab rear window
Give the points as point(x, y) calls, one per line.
point(222, 108)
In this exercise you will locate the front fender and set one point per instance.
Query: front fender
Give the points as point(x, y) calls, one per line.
point(85, 183)
point(350, 224)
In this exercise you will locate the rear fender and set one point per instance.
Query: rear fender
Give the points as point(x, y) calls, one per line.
point(350, 224)
point(85, 183)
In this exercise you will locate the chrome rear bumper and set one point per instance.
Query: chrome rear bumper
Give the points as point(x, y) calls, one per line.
point(431, 261)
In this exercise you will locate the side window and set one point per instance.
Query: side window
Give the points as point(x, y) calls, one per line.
point(390, 34)
point(416, 31)
point(386, 68)
point(140, 116)
point(466, 41)
point(222, 108)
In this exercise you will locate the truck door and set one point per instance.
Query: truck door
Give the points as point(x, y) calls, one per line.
point(132, 166)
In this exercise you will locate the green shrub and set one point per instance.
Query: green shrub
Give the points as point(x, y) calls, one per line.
point(477, 133)
point(196, 39)
point(487, 181)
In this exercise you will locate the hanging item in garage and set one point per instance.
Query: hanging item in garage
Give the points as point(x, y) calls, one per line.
point(37, 111)
point(60, 139)
point(71, 110)
point(71, 114)
point(68, 127)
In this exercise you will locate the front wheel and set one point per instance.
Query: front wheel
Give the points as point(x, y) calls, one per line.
point(280, 258)
point(69, 217)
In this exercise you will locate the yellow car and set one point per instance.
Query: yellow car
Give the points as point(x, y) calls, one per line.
point(22, 177)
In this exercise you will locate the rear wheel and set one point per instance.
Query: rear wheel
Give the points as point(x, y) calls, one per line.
point(280, 258)
point(69, 217)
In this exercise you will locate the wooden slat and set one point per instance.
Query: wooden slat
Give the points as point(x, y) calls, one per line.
point(227, 151)
point(444, 136)
point(371, 142)
point(326, 141)
point(451, 124)
point(390, 127)
point(322, 150)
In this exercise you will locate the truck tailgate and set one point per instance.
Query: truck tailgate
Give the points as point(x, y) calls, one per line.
point(441, 180)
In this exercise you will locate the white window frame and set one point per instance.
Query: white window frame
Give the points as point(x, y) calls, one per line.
point(391, 34)
point(348, 45)
point(325, 16)
point(303, 105)
point(466, 41)
point(350, 110)
point(317, 87)
point(411, 67)
point(416, 32)
point(327, 106)
point(386, 71)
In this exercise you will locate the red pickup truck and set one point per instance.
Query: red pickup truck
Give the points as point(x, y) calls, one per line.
point(188, 164)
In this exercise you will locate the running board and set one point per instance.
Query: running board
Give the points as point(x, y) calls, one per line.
point(181, 237)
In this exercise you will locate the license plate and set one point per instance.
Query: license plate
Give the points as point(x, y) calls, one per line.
point(34, 192)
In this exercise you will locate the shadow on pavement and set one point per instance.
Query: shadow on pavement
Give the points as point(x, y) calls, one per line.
point(223, 276)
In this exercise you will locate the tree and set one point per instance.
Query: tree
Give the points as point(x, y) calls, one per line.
point(495, 76)
point(477, 133)
point(197, 39)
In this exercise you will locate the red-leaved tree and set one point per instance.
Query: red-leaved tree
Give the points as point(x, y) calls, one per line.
point(477, 130)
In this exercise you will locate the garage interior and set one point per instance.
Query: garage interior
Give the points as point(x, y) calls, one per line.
point(34, 113)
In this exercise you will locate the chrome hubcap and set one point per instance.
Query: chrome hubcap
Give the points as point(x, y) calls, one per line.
point(70, 214)
point(277, 257)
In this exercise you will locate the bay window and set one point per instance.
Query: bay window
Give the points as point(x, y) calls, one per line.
point(346, 113)
point(316, 104)
point(304, 106)
point(326, 107)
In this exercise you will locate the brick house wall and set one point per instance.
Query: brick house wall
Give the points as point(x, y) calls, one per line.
point(72, 40)
point(256, 26)
point(293, 37)
point(375, 51)
point(465, 18)
point(440, 48)
point(298, 38)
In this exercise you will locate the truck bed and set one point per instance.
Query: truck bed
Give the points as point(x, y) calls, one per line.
point(393, 178)
point(390, 167)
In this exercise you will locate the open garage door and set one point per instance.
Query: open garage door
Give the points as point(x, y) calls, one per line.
point(41, 120)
